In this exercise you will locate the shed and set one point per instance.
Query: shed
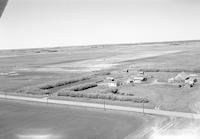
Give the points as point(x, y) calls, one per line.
point(110, 78)
point(171, 80)
point(181, 77)
point(141, 72)
point(114, 84)
point(137, 81)
point(128, 81)
point(191, 81)
point(140, 78)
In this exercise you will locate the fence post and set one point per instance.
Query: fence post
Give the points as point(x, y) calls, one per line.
point(104, 104)
point(143, 106)
point(192, 119)
point(47, 101)
point(5, 95)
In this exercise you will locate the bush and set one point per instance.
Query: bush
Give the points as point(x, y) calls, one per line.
point(103, 73)
point(51, 85)
point(114, 90)
point(83, 87)
point(170, 70)
point(33, 90)
point(43, 89)
point(108, 96)
point(141, 100)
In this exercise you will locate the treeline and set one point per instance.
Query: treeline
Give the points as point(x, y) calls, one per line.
point(108, 94)
point(45, 88)
point(170, 70)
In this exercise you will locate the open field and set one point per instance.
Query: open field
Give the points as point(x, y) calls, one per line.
point(142, 126)
point(30, 121)
point(134, 76)
point(55, 72)
point(3, 4)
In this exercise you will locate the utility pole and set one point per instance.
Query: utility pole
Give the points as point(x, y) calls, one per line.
point(47, 101)
point(5, 94)
point(143, 105)
point(104, 104)
point(192, 119)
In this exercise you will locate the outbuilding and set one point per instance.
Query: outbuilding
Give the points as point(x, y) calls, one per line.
point(110, 78)
point(114, 84)
point(140, 78)
point(191, 81)
point(181, 77)
point(128, 81)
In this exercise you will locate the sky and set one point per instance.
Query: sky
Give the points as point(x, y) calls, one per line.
point(49, 23)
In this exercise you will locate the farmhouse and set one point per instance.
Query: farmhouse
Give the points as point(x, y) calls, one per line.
point(140, 78)
point(114, 84)
point(128, 81)
point(110, 78)
point(181, 77)
point(171, 80)
point(184, 79)
point(137, 79)
point(141, 72)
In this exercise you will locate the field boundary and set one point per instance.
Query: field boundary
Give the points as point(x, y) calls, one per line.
point(103, 106)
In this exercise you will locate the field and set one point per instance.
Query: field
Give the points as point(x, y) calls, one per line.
point(81, 73)
point(135, 75)
point(20, 120)
point(2, 6)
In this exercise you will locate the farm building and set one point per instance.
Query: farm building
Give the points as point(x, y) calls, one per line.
point(171, 80)
point(137, 81)
point(140, 78)
point(141, 72)
point(128, 81)
point(184, 79)
point(181, 77)
point(114, 84)
point(191, 81)
point(110, 78)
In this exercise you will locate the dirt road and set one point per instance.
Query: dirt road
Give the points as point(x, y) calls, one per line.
point(102, 106)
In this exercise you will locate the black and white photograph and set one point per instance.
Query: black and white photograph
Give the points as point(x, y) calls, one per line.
point(99, 69)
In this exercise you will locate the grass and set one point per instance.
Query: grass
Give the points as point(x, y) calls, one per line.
point(167, 96)
point(83, 87)
point(74, 123)
point(3, 4)
point(109, 94)
point(54, 84)
point(161, 67)
point(170, 70)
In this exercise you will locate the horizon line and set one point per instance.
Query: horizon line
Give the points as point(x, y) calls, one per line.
point(108, 44)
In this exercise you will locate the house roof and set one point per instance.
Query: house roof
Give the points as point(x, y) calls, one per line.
point(138, 78)
point(181, 76)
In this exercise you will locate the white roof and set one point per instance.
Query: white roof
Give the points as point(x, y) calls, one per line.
point(138, 78)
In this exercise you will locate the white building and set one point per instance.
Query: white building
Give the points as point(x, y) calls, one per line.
point(140, 78)
point(114, 84)
point(110, 78)
point(171, 80)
